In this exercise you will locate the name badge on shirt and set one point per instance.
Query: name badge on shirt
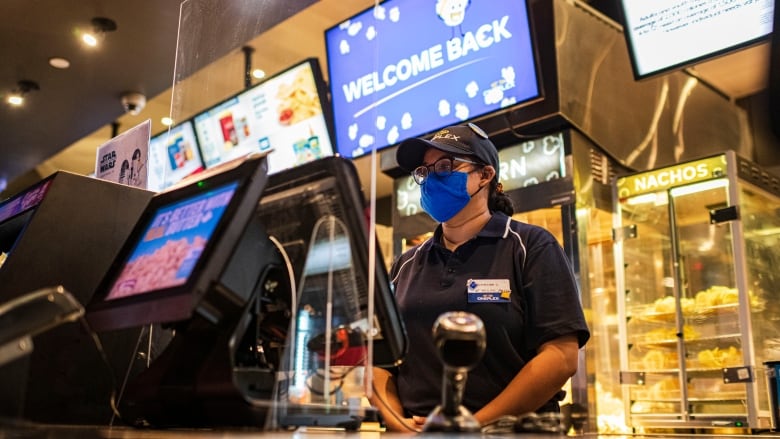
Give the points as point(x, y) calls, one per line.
point(488, 290)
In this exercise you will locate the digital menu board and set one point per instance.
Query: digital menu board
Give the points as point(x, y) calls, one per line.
point(173, 155)
point(402, 69)
point(666, 34)
point(24, 200)
point(283, 114)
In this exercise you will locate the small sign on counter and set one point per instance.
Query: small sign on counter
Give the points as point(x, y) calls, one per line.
point(124, 159)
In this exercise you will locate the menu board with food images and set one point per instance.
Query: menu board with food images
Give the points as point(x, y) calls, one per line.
point(173, 155)
point(284, 114)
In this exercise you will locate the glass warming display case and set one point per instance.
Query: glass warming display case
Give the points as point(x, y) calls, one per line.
point(697, 245)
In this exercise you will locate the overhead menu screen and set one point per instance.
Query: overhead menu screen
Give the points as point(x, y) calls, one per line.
point(172, 243)
point(173, 155)
point(283, 114)
point(405, 68)
point(667, 34)
point(24, 201)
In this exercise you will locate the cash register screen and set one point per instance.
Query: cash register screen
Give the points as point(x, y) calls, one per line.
point(172, 243)
point(177, 255)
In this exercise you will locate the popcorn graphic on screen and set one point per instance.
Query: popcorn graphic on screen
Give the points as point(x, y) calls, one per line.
point(380, 12)
point(472, 88)
point(358, 152)
point(370, 33)
point(494, 94)
point(395, 14)
point(393, 135)
point(353, 129)
point(531, 182)
point(354, 28)
point(452, 12)
point(461, 111)
point(366, 140)
point(508, 101)
point(381, 123)
point(444, 108)
point(406, 121)
point(343, 47)
point(508, 74)
point(344, 25)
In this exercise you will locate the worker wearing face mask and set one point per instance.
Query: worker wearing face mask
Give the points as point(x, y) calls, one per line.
point(512, 275)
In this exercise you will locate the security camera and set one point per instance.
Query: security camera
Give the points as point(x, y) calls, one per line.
point(133, 102)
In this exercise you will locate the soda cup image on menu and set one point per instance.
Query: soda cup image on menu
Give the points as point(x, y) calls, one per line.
point(229, 134)
point(175, 155)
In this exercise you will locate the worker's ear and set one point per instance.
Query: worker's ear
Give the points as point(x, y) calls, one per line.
point(488, 172)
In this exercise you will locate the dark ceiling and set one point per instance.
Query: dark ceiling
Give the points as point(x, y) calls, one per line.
point(139, 56)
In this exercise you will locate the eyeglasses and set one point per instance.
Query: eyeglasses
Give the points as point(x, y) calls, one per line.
point(442, 167)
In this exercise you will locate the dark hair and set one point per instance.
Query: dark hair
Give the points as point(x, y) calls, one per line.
point(498, 200)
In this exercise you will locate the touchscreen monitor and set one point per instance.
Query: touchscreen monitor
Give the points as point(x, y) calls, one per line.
point(175, 261)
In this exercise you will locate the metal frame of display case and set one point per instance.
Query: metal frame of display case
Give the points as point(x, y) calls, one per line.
point(711, 317)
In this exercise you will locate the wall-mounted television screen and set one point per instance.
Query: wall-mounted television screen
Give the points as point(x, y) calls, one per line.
point(663, 35)
point(286, 114)
point(402, 69)
point(173, 155)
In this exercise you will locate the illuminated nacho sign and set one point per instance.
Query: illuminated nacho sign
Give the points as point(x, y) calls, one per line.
point(671, 176)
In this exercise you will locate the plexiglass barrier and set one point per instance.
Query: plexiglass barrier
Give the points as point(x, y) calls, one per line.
point(329, 347)
point(31, 314)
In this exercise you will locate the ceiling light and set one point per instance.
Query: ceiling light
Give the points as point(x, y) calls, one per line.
point(167, 121)
point(59, 62)
point(16, 98)
point(258, 73)
point(100, 26)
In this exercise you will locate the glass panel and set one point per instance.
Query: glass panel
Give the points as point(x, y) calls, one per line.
point(760, 215)
point(31, 314)
point(650, 303)
point(709, 298)
point(597, 268)
point(326, 357)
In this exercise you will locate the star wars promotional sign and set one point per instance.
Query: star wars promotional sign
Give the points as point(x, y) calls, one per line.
point(406, 68)
point(124, 159)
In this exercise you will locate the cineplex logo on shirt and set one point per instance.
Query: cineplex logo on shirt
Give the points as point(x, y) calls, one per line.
point(428, 60)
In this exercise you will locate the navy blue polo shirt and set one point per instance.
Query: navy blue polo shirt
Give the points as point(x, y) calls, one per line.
point(543, 304)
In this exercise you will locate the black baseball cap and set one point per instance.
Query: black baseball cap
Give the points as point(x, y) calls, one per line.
point(461, 140)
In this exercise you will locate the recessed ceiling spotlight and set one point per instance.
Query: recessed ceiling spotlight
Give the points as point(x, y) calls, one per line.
point(167, 121)
point(258, 73)
point(59, 63)
point(100, 26)
point(16, 97)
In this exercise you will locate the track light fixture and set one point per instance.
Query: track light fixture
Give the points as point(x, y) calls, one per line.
point(16, 97)
point(100, 26)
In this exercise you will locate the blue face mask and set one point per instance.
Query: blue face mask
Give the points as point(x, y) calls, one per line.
point(443, 197)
